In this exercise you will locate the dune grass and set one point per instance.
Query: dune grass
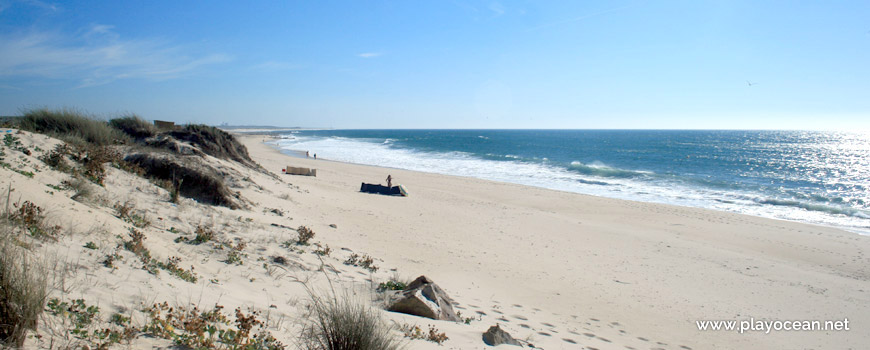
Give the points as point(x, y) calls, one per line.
point(70, 126)
point(23, 289)
point(342, 324)
point(134, 126)
point(214, 142)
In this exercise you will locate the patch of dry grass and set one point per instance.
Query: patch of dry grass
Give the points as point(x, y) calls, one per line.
point(71, 125)
point(134, 126)
point(342, 324)
point(23, 289)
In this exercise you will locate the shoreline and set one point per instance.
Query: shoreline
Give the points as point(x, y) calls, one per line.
point(619, 270)
point(849, 229)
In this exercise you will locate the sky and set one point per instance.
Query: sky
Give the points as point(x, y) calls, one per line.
point(444, 64)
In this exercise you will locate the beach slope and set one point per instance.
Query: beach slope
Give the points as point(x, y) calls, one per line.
point(564, 270)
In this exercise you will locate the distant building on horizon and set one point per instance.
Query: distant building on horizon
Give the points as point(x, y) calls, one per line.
point(164, 125)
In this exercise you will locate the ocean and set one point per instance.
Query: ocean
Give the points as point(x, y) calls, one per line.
point(806, 176)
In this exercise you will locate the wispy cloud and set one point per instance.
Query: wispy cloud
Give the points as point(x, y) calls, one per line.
point(497, 9)
point(96, 56)
point(580, 18)
point(41, 4)
point(369, 54)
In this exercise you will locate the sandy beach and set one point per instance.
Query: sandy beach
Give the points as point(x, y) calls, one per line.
point(556, 270)
point(565, 270)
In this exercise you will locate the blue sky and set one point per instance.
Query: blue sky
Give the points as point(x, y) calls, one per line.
point(445, 64)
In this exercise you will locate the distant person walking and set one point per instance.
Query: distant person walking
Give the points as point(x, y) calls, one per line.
point(315, 156)
point(389, 181)
point(307, 155)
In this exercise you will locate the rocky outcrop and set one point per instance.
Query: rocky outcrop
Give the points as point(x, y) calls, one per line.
point(425, 299)
point(497, 336)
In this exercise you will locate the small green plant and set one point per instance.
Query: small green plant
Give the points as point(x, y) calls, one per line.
point(123, 210)
point(466, 320)
point(364, 261)
point(11, 141)
point(119, 319)
point(82, 319)
point(91, 245)
point(171, 265)
point(136, 244)
point(235, 253)
point(55, 158)
point(200, 329)
point(391, 285)
point(414, 332)
point(109, 260)
point(25, 173)
point(127, 213)
point(305, 235)
point(95, 157)
point(14, 143)
point(80, 314)
point(203, 234)
point(322, 250)
point(32, 220)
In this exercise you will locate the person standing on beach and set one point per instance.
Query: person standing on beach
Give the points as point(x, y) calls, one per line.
point(315, 156)
point(389, 181)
